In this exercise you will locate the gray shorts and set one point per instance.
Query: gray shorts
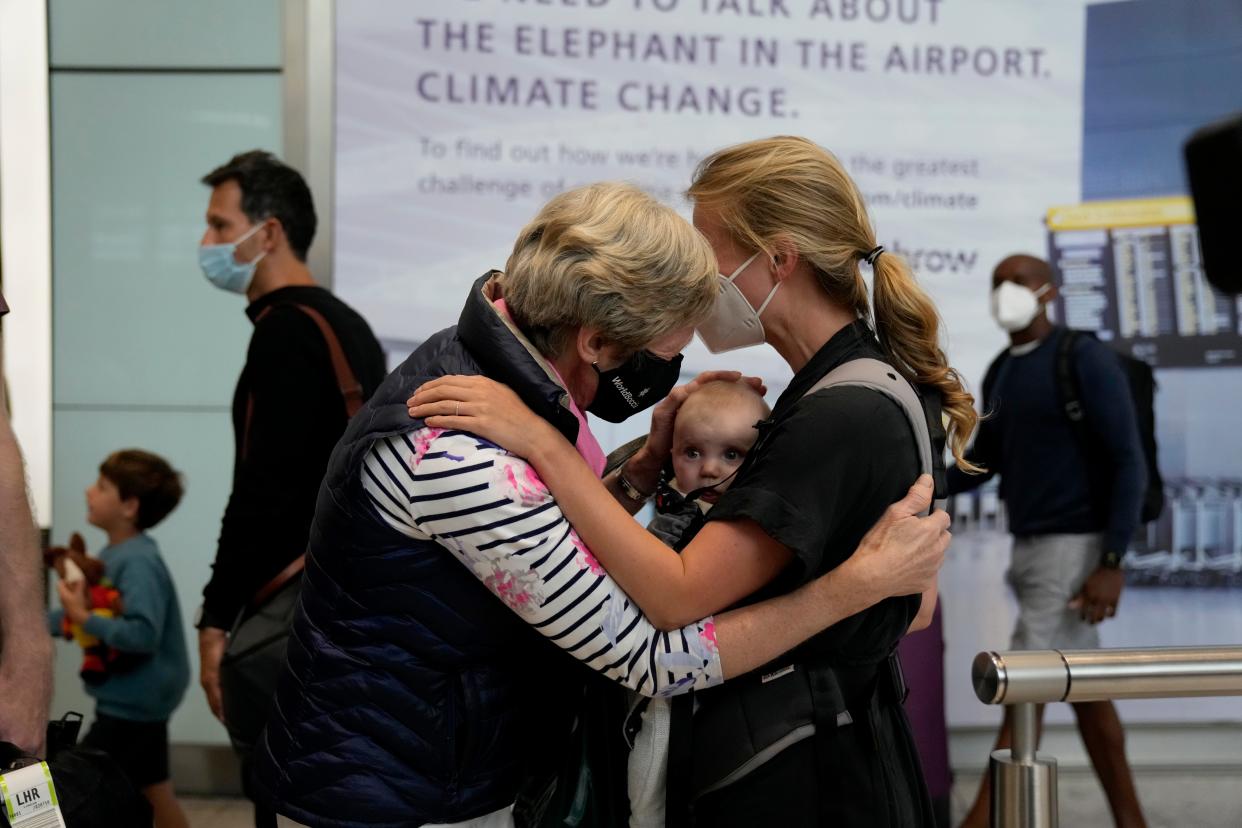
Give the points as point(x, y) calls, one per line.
point(1046, 572)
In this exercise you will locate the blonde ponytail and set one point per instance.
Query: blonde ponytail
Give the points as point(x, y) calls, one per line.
point(908, 327)
point(790, 190)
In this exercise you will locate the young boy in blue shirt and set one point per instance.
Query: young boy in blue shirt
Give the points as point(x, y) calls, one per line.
point(143, 686)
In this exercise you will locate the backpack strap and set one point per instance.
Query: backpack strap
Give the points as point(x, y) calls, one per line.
point(1067, 384)
point(881, 377)
point(1069, 391)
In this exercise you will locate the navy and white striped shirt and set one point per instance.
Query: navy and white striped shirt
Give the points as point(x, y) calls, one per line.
point(491, 510)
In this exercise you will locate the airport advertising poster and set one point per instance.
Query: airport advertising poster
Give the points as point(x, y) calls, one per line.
point(969, 127)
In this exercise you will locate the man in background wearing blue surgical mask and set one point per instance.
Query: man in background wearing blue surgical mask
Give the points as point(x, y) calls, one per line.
point(290, 406)
point(1071, 523)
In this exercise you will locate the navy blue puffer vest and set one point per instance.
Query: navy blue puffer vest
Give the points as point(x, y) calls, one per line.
point(411, 693)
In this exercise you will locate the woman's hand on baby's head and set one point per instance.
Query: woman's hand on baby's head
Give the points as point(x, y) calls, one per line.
point(660, 439)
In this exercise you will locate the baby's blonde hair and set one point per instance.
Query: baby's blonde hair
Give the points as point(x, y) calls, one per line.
point(721, 396)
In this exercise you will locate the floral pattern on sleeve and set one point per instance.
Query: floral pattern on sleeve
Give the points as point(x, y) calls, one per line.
point(512, 582)
point(585, 560)
point(423, 438)
point(518, 481)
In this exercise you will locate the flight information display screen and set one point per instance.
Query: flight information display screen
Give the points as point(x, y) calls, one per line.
point(1132, 272)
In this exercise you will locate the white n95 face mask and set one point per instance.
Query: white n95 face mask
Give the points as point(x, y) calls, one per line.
point(1014, 307)
point(734, 323)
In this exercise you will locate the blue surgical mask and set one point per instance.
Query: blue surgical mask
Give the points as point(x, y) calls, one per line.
point(224, 271)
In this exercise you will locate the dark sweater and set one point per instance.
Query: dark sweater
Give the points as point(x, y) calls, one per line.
point(298, 416)
point(1029, 441)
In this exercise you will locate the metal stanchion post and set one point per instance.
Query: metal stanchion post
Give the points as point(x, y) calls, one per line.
point(1024, 784)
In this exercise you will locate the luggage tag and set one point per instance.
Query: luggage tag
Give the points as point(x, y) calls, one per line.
point(30, 798)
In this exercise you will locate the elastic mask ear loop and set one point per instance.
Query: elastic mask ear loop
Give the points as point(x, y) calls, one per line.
point(771, 294)
point(741, 267)
point(1042, 290)
point(246, 236)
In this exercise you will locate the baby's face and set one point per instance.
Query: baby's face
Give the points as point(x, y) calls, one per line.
point(709, 445)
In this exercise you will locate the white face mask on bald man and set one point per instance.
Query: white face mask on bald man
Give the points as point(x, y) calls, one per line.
point(734, 323)
point(1014, 307)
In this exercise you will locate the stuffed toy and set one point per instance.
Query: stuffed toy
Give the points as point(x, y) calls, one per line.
point(74, 566)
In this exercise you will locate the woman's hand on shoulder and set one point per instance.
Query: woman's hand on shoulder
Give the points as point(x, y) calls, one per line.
point(483, 407)
point(902, 554)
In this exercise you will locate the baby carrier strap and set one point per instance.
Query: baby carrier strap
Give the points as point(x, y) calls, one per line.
point(923, 415)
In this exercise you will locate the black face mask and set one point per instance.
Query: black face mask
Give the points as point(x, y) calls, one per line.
point(638, 383)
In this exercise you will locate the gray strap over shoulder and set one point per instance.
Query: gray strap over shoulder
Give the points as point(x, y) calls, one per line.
point(881, 377)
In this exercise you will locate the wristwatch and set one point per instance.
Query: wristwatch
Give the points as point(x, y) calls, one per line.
point(1111, 560)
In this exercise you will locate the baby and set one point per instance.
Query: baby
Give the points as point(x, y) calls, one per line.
point(714, 431)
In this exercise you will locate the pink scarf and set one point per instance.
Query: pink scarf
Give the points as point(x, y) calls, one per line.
point(586, 443)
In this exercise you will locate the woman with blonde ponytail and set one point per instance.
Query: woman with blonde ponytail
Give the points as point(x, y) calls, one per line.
point(791, 229)
point(816, 737)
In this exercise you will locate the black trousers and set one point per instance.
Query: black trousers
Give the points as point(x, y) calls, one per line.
point(264, 817)
point(864, 775)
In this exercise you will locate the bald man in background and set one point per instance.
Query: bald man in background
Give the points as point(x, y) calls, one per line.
point(1073, 504)
point(25, 647)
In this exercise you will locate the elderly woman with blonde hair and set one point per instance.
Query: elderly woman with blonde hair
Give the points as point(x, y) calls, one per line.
point(427, 677)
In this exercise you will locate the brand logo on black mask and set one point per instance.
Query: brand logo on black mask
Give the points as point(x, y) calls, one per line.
point(613, 399)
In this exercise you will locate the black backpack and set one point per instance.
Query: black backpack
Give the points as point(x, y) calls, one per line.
point(91, 789)
point(1142, 384)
